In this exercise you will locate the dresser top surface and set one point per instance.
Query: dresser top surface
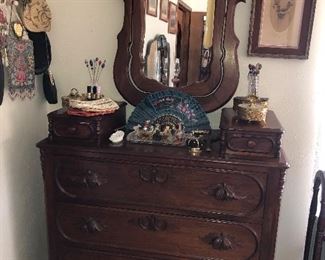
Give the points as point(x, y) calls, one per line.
point(158, 152)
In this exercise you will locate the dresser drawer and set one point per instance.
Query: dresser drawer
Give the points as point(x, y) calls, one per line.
point(240, 139)
point(191, 238)
point(245, 143)
point(94, 130)
point(80, 254)
point(75, 129)
point(210, 192)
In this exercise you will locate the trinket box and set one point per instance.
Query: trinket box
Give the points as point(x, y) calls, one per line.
point(95, 130)
point(252, 140)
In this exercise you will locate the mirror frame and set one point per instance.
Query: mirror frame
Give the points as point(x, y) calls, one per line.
point(212, 93)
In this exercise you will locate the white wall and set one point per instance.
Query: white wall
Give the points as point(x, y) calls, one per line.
point(291, 87)
point(197, 6)
point(81, 29)
point(88, 28)
point(22, 228)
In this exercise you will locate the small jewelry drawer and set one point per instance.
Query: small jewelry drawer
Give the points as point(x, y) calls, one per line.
point(190, 238)
point(248, 143)
point(249, 140)
point(66, 129)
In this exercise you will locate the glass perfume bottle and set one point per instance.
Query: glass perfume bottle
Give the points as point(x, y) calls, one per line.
point(253, 79)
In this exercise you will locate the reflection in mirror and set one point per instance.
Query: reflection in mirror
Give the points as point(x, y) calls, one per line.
point(157, 60)
point(190, 48)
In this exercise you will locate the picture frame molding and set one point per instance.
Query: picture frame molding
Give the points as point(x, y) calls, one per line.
point(149, 12)
point(161, 9)
point(302, 52)
point(172, 30)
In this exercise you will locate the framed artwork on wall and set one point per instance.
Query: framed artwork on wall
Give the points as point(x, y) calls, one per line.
point(152, 6)
point(172, 18)
point(281, 28)
point(164, 10)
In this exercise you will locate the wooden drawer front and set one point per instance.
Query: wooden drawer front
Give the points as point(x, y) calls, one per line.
point(77, 129)
point(229, 193)
point(78, 254)
point(256, 144)
point(184, 237)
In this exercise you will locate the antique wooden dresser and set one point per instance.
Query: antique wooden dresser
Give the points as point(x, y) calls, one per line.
point(137, 201)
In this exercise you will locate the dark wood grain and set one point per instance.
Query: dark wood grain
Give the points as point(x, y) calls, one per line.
point(184, 237)
point(240, 139)
point(207, 191)
point(136, 201)
point(84, 130)
point(212, 93)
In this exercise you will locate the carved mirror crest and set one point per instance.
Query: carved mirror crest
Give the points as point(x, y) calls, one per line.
point(202, 54)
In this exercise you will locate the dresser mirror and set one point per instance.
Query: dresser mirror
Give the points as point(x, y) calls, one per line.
point(189, 37)
point(198, 58)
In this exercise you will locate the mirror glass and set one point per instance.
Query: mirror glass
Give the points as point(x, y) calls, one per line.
point(178, 41)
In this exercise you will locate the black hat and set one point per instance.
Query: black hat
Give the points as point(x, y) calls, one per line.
point(42, 51)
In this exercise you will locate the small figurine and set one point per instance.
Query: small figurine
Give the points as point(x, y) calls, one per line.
point(157, 133)
point(117, 137)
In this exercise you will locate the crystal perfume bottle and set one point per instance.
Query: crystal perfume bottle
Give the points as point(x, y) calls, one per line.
point(253, 79)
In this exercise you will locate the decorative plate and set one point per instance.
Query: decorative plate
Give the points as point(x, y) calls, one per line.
point(170, 107)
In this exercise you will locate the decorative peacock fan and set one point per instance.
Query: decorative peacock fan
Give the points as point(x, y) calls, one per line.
point(170, 107)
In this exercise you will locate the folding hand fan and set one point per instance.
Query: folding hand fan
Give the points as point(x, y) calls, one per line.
point(170, 107)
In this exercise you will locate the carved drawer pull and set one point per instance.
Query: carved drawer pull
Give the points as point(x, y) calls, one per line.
point(72, 130)
point(221, 242)
point(91, 226)
point(153, 176)
point(92, 179)
point(218, 241)
point(251, 144)
point(223, 192)
point(88, 180)
point(152, 223)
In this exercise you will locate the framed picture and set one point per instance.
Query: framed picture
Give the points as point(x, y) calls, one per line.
point(164, 10)
point(172, 18)
point(152, 6)
point(281, 28)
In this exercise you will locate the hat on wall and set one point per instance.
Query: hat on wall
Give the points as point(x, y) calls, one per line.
point(37, 16)
point(42, 51)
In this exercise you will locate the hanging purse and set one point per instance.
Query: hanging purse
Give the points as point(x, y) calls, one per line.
point(49, 87)
point(43, 58)
point(21, 67)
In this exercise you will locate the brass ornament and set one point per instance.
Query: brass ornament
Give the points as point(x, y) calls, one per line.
point(18, 29)
point(252, 108)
